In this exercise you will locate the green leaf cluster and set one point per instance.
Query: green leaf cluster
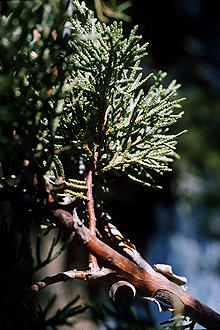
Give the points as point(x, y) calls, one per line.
point(62, 315)
point(109, 107)
point(83, 92)
point(31, 78)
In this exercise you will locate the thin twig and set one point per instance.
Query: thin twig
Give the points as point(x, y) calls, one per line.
point(90, 204)
point(104, 274)
point(93, 264)
point(99, 11)
point(48, 280)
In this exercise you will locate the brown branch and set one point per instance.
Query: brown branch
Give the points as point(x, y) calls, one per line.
point(104, 274)
point(148, 284)
point(91, 212)
point(48, 280)
point(90, 204)
point(99, 5)
point(146, 280)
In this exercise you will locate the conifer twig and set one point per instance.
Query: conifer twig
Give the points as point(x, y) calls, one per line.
point(105, 274)
point(48, 280)
point(93, 264)
point(99, 10)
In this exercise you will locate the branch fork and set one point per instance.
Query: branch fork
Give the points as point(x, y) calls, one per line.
point(153, 284)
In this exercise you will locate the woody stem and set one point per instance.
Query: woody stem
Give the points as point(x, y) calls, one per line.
point(91, 212)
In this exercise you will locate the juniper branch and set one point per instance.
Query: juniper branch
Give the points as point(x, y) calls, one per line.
point(148, 283)
point(109, 109)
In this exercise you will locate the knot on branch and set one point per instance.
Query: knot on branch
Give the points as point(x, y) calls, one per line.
point(122, 288)
point(81, 231)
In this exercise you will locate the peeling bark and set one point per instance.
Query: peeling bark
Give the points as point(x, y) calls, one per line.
point(148, 284)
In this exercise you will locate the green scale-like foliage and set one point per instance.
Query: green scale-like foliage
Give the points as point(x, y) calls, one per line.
point(107, 107)
point(31, 34)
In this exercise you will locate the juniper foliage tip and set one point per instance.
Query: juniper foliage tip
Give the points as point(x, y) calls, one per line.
point(109, 108)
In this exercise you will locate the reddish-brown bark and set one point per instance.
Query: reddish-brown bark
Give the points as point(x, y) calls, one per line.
point(92, 218)
point(146, 280)
point(148, 284)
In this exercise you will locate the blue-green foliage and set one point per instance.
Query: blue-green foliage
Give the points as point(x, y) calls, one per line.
point(108, 108)
point(29, 63)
